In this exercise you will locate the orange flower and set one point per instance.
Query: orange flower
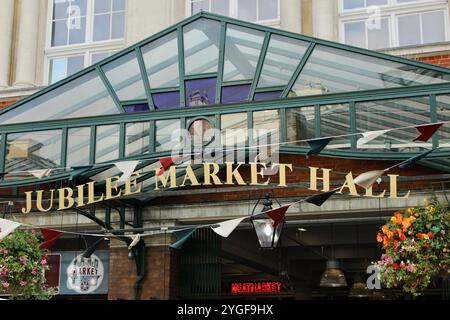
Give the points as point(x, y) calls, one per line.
point(398, 218)
point(406, 223)
point(430, 235)
point(379, 237)
point(420, 235)
point(385, 229)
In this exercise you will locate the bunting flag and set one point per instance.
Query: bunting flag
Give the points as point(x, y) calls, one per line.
point(368, 178)
point(40, 173)
point(127, 168)
point(136, 238)
point(225, 228)
point(426, 131)
point(182, 237)
point(90, 250)
point(320, 198)
point(317, 145)
point(7, 227)
point(50, 236)
point(277, 214)
point(408, 163)
point(78, 171)
point(166, 163)
point(369, 136)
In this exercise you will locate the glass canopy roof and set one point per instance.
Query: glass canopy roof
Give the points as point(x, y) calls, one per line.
point(231, 74)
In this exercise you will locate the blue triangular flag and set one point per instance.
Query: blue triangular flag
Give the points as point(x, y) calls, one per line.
point(408, 163)
point(317, 145)
point(182, 237)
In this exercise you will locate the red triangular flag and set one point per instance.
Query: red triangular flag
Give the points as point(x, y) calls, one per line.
point(277, 214)
point(166, 163)
point(50, 236)
point(426, 131)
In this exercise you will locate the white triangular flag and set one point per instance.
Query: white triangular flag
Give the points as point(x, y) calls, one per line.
point(136, 238)
point(225, 228)
point(40, 173)
point(7, 226)
point(368, 178)
point(369, 136)
point(127, 168)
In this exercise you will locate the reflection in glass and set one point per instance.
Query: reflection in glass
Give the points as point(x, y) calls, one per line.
point(233, 94)
point(242, 49)
point(282, 58)
point(200, 132)
point(200, 92)
point(330, 70)
point(166, 100)
point(266, 122)
point(300, 125)
point(137, 138)
point(138, 107)
point(201, 46)
point(85, 96)
point(164, 130)
point(125, 77)
point(161, 61)
point(63, 67)
point(443, 113)
point(396, 113)
point(33, 150)
point(233, 128)
point(78, 146)
point(268, 95)
point(334, 121)
point(107, 143)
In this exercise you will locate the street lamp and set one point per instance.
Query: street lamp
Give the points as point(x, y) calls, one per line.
point(267, 231)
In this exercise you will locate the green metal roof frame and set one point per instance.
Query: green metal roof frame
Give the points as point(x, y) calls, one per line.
point(217, 109)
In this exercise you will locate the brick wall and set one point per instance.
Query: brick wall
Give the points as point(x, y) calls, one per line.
point(161, 279)
point(440, 60)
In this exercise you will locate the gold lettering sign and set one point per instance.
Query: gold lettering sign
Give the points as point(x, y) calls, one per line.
point(85, 193)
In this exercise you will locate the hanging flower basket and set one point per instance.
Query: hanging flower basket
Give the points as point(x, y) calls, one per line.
point(22, 267)
point(415, 247)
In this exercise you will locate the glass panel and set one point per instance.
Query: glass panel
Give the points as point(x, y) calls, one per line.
point(376, 2)
point(200, 132)
point(137, 107)
point(443, 111)
point(200, 92)
point(77, 31)
point(282, 58)
point(161, 61)
point(137, 139)
point(117, 25)
point(102, 25)
point(269, 95)
point(247, 10)
point(221, 7)
point(118, 5)
point(166, 100)
point(330, 70)
point(300, 125)
point(409, 30)
point(355, 33)
point(386, 114)
point(125, 77)
point(233, 94)
point(433, 27)
point(199, 5)
point(102, 6)
point(107, 143)
point(63, 67)
point(233, 129)
point(69, 22)
point(96, 57)
point(33, 150)
point(201, 46)
point(353, 4)
point(379, 37)
point(242, 49)
point(334, 121)
point(85, 96)
point(59, 33)
point(78, 146)
point(266, 124)
point(164, 130)
point(268, 10)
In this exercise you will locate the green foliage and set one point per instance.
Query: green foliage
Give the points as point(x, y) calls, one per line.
point(416, 247)
point(22, 267)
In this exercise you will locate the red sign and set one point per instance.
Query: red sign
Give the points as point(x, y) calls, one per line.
point(256, 287)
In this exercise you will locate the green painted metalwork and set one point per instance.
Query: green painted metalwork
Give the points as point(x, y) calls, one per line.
point(434, 118)
point(259, 66)
point(144, 78)
point(110, 89)
point(2, 152)
point(181, 66)
point(352, 125)
point(223, 31)
point(64, 147)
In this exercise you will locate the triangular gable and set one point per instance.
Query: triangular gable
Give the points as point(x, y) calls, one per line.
point(241, 61)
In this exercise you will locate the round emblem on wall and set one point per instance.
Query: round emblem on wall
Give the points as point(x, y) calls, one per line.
point(85, 275)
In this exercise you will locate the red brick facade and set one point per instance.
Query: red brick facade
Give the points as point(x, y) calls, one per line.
point(440, 60)
point(5, 103)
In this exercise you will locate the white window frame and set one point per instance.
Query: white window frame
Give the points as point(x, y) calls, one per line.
point(87, 48)
point(233, 12)
point(394, 10)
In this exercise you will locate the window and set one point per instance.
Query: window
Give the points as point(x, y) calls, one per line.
point(107, 143)
point(266, 11)
point(380, 24)
point(82, 32)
